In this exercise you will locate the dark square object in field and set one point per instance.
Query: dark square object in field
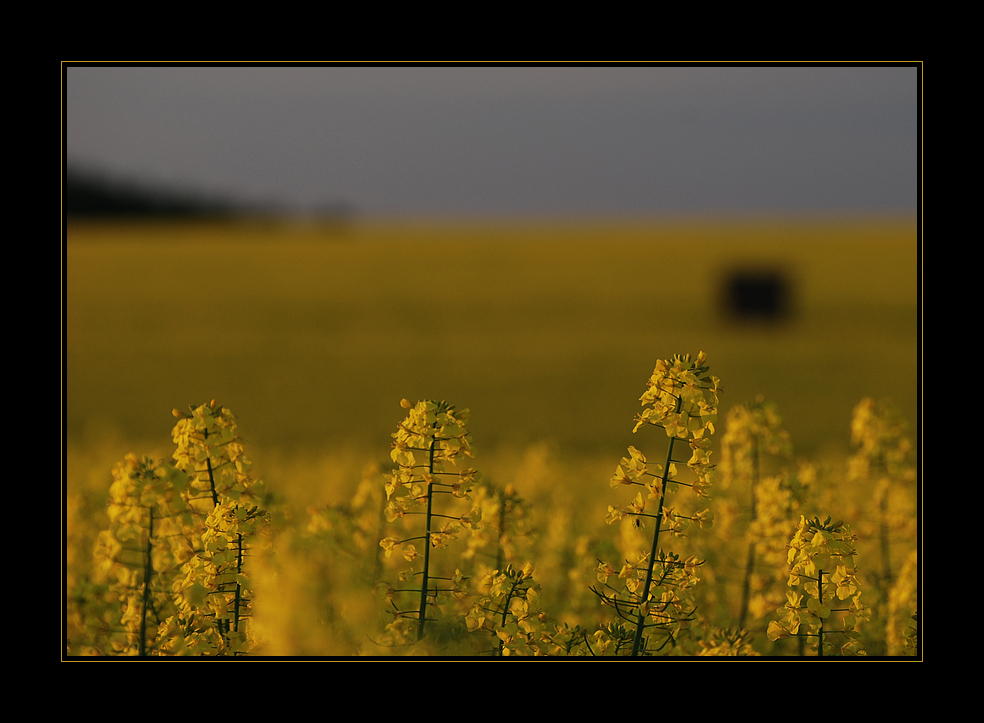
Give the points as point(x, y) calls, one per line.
point(762, 295)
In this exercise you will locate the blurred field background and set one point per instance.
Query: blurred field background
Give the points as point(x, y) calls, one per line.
point(269, 237)
point(547, 332)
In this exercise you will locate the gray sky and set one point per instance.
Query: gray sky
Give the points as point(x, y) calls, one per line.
point(507, 141)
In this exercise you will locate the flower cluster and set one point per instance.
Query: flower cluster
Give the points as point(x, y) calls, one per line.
point(427, 447)
point(656, 592)
point(177, 543)
point(822, 581)
point(509, 609)
point(683, 399)
point(751, 431)
point(669, 599)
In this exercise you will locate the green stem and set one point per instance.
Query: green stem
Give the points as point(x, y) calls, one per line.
point(239, 588)
point(223, 626)
point(820, 600)
point(148, 572)
point(883, 539)
point(211, 477)
point(380, 524)
point(641, 621)
point(502, 526)
point(422, 616)
point(505, 612)
point(750, 560)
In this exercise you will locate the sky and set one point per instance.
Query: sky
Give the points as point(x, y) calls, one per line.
point(508, 141)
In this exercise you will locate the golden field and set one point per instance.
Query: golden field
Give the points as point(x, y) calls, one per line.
point(548, 332)
point(544, 332)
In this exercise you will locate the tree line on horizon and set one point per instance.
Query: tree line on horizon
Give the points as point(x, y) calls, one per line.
point(86, 194)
